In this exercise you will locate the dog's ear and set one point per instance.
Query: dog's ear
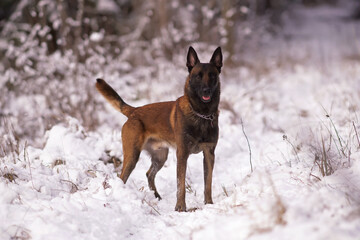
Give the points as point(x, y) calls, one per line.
point(217, 59)
point(192, 59)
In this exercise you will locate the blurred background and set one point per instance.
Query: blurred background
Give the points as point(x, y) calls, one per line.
point(51, 51)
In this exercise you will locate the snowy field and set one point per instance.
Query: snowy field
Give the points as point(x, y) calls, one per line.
point(287, 165)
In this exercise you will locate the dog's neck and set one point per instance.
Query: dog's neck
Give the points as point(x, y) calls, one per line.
point(209, 117)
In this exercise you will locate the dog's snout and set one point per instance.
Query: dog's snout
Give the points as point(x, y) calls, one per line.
point(206, 91)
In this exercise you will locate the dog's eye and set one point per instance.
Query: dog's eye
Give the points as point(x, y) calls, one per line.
point(212, 76)
point(198, 77)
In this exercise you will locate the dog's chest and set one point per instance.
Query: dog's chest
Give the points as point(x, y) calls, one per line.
point(201, 133)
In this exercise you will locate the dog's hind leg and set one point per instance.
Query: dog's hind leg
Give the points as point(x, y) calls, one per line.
point(133, 139)
point(158, 159)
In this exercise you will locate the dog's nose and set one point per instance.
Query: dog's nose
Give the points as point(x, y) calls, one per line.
point(206, 91)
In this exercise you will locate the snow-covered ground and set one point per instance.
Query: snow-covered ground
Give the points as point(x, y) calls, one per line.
point(295, 119)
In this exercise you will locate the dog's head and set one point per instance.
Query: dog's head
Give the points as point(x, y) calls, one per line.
point(203, 83)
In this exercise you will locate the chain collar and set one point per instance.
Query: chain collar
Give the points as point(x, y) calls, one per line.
point(210, 117)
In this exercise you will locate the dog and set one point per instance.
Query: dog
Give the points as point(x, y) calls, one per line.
point(189, 124)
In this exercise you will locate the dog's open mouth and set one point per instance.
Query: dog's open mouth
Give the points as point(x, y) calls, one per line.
point(206, 98)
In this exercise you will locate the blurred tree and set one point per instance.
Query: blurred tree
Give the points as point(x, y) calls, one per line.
point(160, 25)
point(272, 7)
point(50, 48)
point(356, 12)
point(7, 7)
point(317, 2)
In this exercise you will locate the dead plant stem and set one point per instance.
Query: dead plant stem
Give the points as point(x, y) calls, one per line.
point(248, 143)
point(357, 135)
point(26, 157)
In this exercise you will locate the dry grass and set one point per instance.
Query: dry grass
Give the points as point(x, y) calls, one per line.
point(295, 149)
point(110, 159)
point(276, 214)
point(58, 162)
point(323, 158)
point(323, 151)
point(10, 141)
point(73, 187)
point(20, 233)
point(105, 183)
point(10, 176)
point(189, 188)
point(329, 150)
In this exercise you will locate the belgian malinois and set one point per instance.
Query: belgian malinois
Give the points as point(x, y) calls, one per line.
point(189, 124)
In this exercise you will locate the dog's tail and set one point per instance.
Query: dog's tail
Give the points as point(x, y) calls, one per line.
point(113, 98)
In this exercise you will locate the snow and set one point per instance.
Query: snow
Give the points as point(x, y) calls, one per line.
point(67, 190)
point(107, 6)
point(96, 36)
point(84, 198)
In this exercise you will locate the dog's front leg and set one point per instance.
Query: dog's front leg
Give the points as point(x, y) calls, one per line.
point(182, 156)
point(209, 158)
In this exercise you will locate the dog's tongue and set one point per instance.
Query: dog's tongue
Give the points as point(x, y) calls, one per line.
point(206, 98)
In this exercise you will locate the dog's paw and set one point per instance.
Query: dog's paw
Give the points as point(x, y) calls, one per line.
point(180, 207)
point(208, 201)
point(157, 195)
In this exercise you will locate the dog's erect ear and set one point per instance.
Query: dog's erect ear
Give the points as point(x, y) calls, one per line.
point(217, 59)
point(192, 59)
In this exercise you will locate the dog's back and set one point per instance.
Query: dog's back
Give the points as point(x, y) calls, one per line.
point(155, 118)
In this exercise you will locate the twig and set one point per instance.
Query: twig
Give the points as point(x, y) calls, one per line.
point(315, 176)
point(74, 187)
point(357, 136)
point(26, 156)
point(293, 147)
point(144, 200)
point(225, 191)
point(247, 140)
